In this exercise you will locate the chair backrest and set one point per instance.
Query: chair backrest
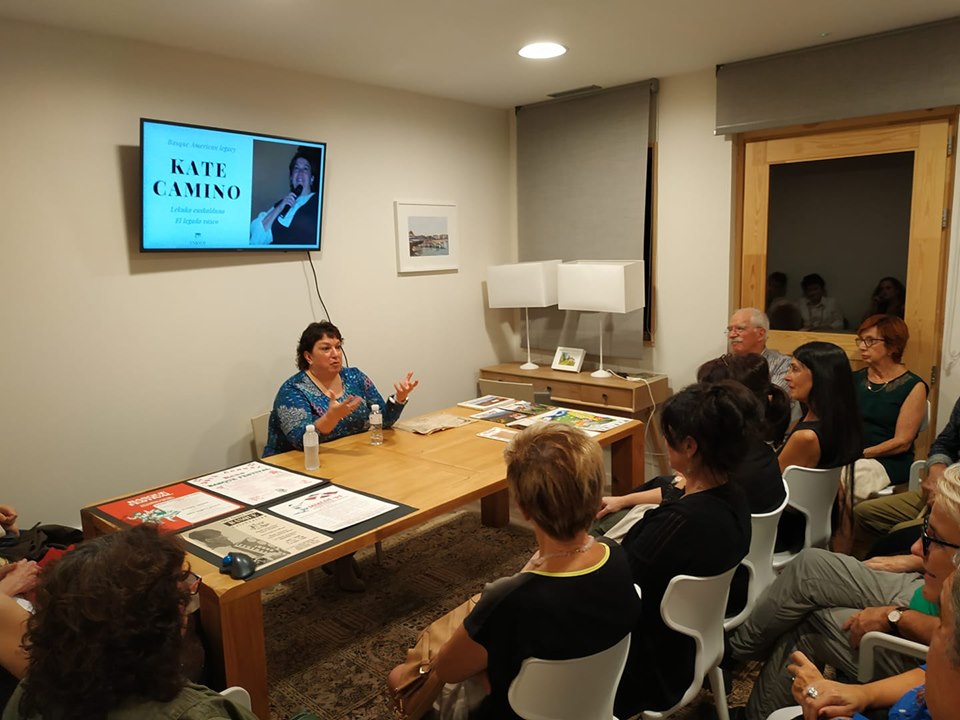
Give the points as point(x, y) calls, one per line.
point(874, 640)
point(694, 606)
point(917, 473)
point(517, 391)
point(579, 689)
point(260, 424)
point(759, 560)
point(812, 492)
point(238, 696)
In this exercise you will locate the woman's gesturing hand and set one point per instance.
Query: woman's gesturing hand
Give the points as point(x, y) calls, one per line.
point(405, 387)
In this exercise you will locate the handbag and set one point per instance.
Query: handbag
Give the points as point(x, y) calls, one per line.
point(418, 686)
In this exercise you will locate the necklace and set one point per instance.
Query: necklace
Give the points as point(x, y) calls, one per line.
point(539, 559)
point(878, 386)
point(326, 389)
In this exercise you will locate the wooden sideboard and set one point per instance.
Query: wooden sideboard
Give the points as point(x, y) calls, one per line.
point(611, 395)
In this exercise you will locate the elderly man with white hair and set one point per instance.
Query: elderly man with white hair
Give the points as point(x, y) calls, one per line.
point(747, 333)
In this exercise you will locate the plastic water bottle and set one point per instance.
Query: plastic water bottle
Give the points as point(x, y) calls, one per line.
point(376, 425)
point(311, 448)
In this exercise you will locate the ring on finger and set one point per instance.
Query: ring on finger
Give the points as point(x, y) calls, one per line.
point(811, 692)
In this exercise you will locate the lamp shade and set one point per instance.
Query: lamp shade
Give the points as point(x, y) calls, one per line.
point(614, 286)
point(526, 284)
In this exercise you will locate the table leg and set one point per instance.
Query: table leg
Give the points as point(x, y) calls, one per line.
point(236, 651)
point(495, 509)
point(626, 462)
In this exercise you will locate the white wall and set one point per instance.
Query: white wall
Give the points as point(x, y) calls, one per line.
point(693, 228)
point(950, 364)
point(121, 370)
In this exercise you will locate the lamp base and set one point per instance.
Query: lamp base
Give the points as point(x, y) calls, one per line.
point(601, 374)
point(529, 366)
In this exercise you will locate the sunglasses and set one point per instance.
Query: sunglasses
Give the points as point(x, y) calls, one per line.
point(926, 538)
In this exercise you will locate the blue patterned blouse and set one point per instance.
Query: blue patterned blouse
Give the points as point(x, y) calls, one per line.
point(300, 403)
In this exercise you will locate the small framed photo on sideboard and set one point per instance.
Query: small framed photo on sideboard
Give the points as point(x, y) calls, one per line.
point(569, 359)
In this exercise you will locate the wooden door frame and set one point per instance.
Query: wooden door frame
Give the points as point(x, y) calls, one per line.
point(928, 135)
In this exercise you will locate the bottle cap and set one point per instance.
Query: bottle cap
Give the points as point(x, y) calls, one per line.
point(311, 428)
point(375, 408)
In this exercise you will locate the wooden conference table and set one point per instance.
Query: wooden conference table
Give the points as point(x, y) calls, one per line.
point(432, 473)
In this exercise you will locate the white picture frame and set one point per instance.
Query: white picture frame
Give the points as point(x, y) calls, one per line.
point(427, 237)
point(568, 359)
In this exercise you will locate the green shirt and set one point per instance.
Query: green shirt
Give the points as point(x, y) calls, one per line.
point(879, 410)
point(919, 603)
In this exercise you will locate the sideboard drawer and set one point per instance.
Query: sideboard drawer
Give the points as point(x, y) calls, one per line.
point(608, 396)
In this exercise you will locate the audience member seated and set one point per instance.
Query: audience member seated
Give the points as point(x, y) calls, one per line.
point(888, 298)
point(926, 693)
point(8, 521)
point(873, 519)
point(105, 640)
point(823, 603)
point(828, 434)
point(892, 400)
point(819, 312)
point(706, 531)
point(575, 597)
point(13, 658)
point(747, 333)
point(757, 473)
point(785, 316)
point(334, 399)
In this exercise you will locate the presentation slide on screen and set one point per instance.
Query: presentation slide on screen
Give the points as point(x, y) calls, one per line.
point(207, 189)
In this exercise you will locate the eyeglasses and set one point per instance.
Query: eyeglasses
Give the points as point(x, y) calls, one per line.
point(192, 582)
point(737, 329)
point(868, 342)
point(926, 538)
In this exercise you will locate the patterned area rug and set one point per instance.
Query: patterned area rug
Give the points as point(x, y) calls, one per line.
point(330, 651)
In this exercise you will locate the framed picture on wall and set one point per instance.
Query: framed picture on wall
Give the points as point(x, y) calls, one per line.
point(569, 359)
point(427, 237)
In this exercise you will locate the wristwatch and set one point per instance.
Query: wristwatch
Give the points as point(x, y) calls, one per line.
point(894, 617)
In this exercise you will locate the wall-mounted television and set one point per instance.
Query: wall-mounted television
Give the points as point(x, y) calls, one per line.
point(209, 188)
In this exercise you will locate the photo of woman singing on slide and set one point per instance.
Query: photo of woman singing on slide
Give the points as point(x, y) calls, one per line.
point(292, 220)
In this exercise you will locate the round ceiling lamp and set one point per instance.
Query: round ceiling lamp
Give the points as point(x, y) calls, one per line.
point(542, 50)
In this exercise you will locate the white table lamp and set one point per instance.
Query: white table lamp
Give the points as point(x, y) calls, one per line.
point(603, 286)
point(526, 285)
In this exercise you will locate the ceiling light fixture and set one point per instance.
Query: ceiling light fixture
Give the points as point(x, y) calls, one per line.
point(541, 50)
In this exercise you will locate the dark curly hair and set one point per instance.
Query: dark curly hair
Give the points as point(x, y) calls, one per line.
point(753, 371)
point(721, 417)
point(107, 627)
point(315, 331)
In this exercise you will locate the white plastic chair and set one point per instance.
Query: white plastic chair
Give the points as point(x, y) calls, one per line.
point(759, 561)
point(874, 640)
point(694, 606)
point(812, 492)
point(260, 425)
point(787, 713)
point(578, 689)
point(238, 696)
point(917, 473)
